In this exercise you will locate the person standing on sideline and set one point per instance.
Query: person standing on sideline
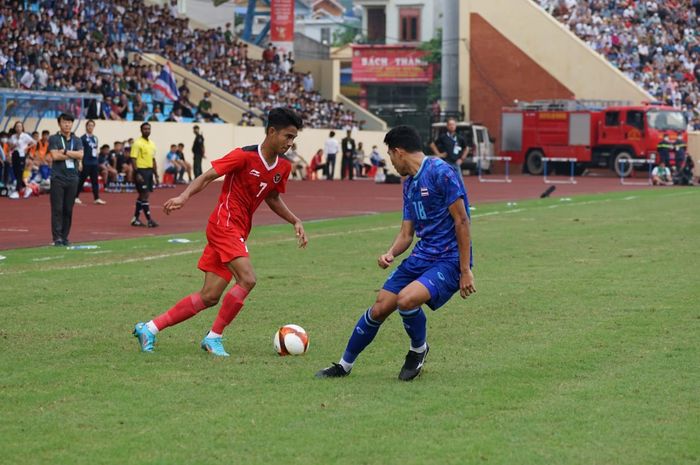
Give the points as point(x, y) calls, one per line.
point(361, 166)
point(451, 147)
point(66, 150)
point(143, 154)
point(91, 166)
point(185, 164)
point(436, 209)
point(44, 160)
point(680, 147)
point(252, 174)
point(331, 147)
point(348, 165)
point(197, 151)
point(20, 142)
point(664, 149)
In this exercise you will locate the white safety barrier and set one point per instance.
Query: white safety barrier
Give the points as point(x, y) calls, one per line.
point(572, 164)
point(506, 178)
point(636, 161)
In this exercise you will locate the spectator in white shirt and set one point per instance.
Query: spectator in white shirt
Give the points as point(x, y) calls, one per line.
point(331, 148)
point(20, 142)
point(42, 75)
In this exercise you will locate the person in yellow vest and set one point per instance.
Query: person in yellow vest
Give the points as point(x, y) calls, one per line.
point(143, 154)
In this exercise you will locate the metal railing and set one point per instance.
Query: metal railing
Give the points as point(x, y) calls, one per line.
point(20, 105)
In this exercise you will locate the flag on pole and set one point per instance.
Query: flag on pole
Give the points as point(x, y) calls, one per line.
point(166, 83)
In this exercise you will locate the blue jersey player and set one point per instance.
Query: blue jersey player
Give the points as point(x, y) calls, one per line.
point(436, 209)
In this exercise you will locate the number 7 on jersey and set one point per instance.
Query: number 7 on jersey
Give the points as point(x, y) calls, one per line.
point(263, 185)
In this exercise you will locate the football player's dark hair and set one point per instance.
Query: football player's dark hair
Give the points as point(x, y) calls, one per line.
point(403, 137)
point(281, 117)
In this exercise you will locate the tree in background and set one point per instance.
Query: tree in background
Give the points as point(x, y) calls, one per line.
point(433, 47)
point(347, 35)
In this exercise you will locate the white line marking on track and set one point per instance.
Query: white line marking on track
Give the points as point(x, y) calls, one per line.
point(45, 259)
point(192, 251)
point(13, 230)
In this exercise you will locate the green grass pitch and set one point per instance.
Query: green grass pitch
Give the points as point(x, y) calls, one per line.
point(581, 346)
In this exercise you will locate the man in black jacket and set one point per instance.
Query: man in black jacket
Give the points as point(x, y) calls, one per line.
point(348, 148)
point(197, 152)
point(66, 151)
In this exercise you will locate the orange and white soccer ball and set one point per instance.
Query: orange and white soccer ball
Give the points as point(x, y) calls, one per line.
point(291, 340)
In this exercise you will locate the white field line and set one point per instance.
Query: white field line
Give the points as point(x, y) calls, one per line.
point(292, 239)
point(44, 259)
point(149, 258)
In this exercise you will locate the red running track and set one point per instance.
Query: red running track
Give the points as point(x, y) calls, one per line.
point(27, 223)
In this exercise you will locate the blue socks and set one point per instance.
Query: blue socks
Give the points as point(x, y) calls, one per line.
point(414, 322)
point(365, 330)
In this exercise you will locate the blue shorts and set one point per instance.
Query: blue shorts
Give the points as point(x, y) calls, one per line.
point(440, 277)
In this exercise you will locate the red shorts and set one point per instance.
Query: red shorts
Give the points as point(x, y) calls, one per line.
point(223, 246)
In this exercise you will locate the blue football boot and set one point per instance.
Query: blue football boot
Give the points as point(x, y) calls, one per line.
point(146, 338)
point(214, 346)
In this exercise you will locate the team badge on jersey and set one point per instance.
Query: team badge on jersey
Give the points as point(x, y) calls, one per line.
point(277, 178)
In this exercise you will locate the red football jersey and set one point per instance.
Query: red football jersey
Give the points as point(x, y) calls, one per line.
point(249, 179)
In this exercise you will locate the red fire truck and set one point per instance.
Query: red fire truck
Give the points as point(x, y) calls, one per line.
point(592, 133)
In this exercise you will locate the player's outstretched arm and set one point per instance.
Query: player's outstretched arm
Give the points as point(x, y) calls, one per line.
point(196, 186)
point(277, 205)
point(463, 233)
point(401, 244)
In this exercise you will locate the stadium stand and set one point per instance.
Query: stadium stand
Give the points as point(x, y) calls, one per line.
point(95, 47)
point(666, 63)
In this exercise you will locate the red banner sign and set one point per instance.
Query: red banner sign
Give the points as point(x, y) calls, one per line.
point(282, 21)
point(389, 63)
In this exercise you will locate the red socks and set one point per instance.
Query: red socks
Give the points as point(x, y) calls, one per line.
point(183, 310)
point(192, 304)
point(233, 302)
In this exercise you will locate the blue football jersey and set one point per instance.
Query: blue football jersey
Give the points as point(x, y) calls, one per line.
point(427, 197)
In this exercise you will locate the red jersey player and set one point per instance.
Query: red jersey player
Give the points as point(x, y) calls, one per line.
point(252, 174)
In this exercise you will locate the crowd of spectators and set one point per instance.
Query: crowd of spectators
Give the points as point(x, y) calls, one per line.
point(114, 164)
point(85, 46)
point(656, 43)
